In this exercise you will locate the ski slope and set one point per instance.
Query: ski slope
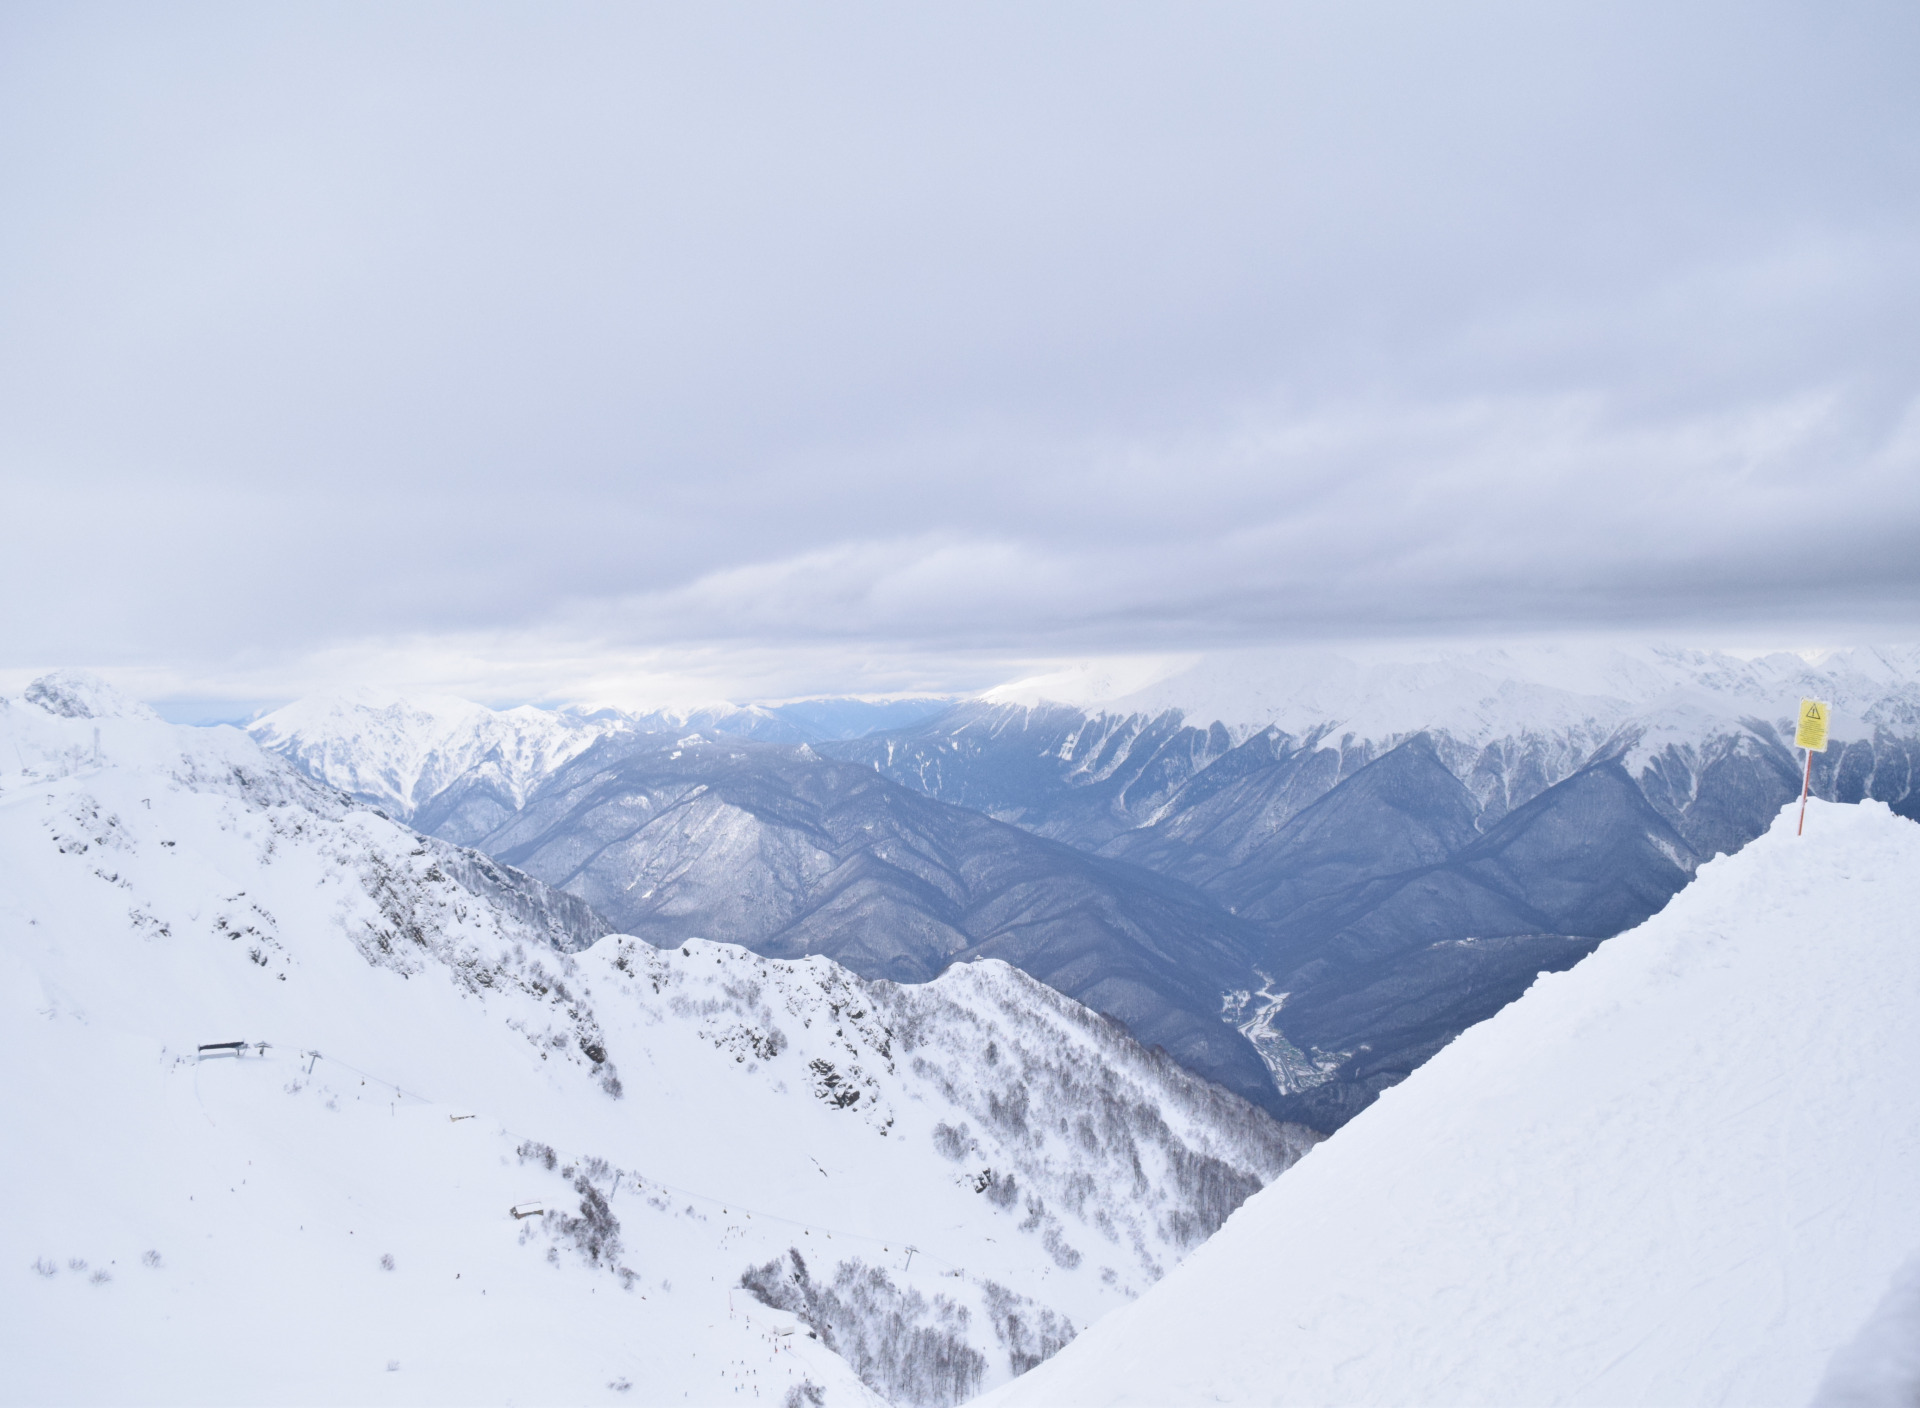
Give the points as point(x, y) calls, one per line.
point(971, 1169)
point(1686, 1171)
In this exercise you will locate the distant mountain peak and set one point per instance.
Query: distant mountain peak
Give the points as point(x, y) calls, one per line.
point(77, 694)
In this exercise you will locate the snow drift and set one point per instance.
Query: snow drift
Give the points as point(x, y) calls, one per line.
point(1685, 1171)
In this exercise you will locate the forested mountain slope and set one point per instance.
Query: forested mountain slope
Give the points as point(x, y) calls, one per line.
point(319, 1208)
point(790, 854)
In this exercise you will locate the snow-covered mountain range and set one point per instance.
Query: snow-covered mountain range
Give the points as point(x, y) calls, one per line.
point(771, 1175)
point(1563, 795)
point(1087, 753)
point(792, 854)
point(1682, 1173)
point(1483, 694)
point(458, 770)
point(1391, 846)
point(755, 1177)
point(1085, 756)
point(404, 755)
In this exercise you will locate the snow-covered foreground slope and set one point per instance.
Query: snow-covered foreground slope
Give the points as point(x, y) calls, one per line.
point(939, 1182)
point(1685, 1171)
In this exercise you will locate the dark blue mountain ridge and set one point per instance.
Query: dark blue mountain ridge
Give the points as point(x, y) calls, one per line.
point(789, 854)
point(1387, 919)
point(1384, 971)
point(1187, 799)
point(1398, 813)
point(1052, 769)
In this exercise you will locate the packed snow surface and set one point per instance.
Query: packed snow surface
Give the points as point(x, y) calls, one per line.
point(1686, 1171)
point(927, 1189)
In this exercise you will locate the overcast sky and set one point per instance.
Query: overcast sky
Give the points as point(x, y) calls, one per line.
point(554, 351)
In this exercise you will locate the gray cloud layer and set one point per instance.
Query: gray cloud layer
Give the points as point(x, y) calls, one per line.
point(545, 338)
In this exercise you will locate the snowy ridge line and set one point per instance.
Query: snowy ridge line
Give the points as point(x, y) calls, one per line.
point(639, 1178)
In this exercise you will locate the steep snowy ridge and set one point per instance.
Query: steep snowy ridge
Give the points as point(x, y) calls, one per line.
point(1682, 1172)
point(968, 1170)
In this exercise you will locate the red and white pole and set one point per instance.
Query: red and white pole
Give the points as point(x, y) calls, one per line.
point(1806, 783)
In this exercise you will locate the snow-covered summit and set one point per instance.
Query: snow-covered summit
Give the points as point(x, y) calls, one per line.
point(401, 752)
point(77, 694)
point(1681, 1172)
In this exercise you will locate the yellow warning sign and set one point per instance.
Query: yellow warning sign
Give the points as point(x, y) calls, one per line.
point(1812, 733)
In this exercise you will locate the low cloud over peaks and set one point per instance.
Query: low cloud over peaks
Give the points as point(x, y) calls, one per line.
point(903, 347)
